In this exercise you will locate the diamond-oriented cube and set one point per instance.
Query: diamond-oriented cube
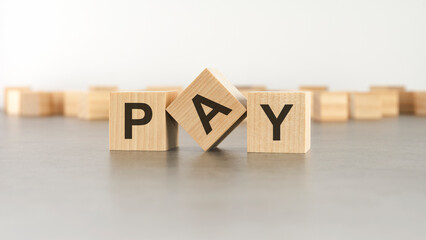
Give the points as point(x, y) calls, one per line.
point(209, 108)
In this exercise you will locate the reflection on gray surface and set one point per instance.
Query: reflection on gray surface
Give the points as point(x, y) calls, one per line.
point(361, 180)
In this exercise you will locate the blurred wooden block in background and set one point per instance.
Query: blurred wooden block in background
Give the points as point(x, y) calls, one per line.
point(313, 89)
point(179, 89)
point(36, 104)
point(57, 102)
point(331, 107)
point(12, 99)
point(390, 102)
point(245, 89)
point(365, 106)
point(406, 102)
point(420, 103)
point(94, 105)
point(209, 108)
point(139, 121)
point(72, 103)
point(405, 99)
point(279, 122)
point(398, 88)
point(107, 88)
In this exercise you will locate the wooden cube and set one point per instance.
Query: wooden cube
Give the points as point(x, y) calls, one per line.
point(420, 103)
point(209, 108)
point(313, 89)
point(139, 121)
point(390, 102)
point(406, 102)
point(387, 88)
point(12, 99)
point(34, 104)
point(72, 103)
point(103, 88)
point(245, 89)
point(331, 107)
point(365, 106)
point(406, 99)
point(57, 102)
point(94, 105)
point(279, 122)
point(179, 89)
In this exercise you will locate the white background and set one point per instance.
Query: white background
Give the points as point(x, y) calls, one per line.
point(71, 44)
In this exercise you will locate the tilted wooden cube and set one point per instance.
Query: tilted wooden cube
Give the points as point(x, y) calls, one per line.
point(420, 103)
point(94, 105)
point(72, 103)
point(139, 121)
point(35, 104)
point(279, 122)
point(12, 99)
point(331, 107)
point(406, 103)
point(209, 108)
point(365, 106)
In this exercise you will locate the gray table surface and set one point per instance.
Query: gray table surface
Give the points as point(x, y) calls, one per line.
point(361, 180)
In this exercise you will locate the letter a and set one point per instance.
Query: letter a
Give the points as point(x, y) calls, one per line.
point(216, 108)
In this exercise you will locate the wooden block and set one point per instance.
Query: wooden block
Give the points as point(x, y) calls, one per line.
point(331, 107)
point(57, 101)
point(12, 99)
point(390, 102)
point(365, 106)
point(279, 122)
point(245, 89)
point(251, 87)
point(103, 88)
point(387, 88)
point(209, 108)
point(179, 89)
point(94, 105)
point(406, 102)
point(138, 121)
point(72, 103)
point(313, 89)
point(13, 102)
point(36, 104)
point(420, 103)
point(406, 99)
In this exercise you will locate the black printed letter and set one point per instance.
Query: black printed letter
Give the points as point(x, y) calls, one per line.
point(216, 108)
point(276, 122)
point(129, 121)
